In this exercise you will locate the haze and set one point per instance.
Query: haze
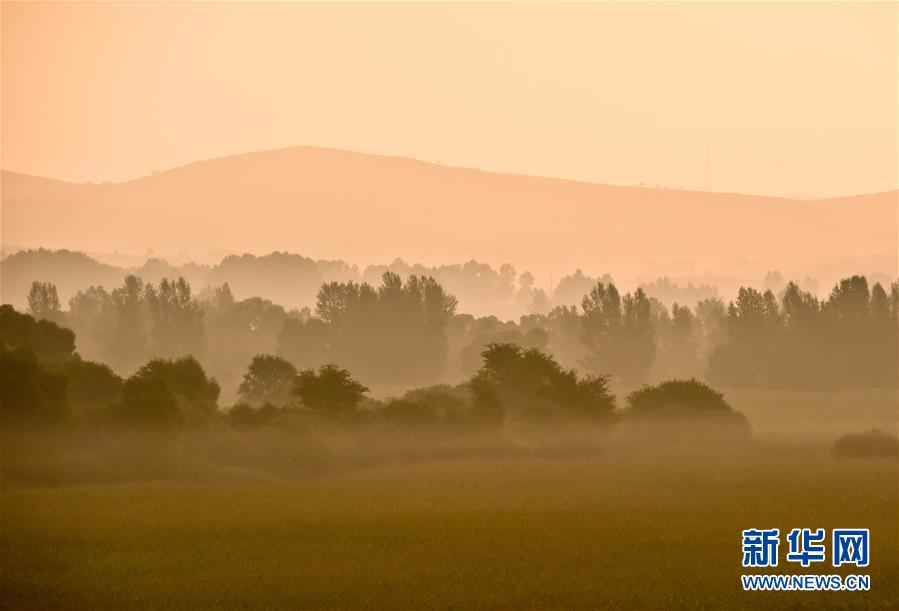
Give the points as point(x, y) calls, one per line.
point(790, 99)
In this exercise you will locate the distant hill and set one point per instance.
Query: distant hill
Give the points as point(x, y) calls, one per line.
point(69, 271)
point(361, 208)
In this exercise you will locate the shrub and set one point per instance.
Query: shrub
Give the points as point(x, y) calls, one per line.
point(675, 399)
point(249, 418)
point(410, 412)
point(147, 403)
point(871, 444)
point(91, 386)
point(30, 394)
point(682, 401)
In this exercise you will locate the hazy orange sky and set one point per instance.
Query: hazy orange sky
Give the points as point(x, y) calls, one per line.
point(794, 99)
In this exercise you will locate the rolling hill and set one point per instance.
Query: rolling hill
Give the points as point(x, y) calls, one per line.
point(366, 208)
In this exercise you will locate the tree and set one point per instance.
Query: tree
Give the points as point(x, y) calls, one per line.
point(91, 386)
point(147, 402)
point(617, 333)
point(637, 348)
point(753, 341)
point(395, 333)
point(269, 379)
point(46, 339)
point(305, 342)
point(43, 302)
point(89, 317)
point(186, 380)
point(601, 327)
point(127, 345)
point(237, 331)
point(774, 281)
point(331, 391)
point(572, 288)
point(529, 383)
point(678, 339)
point(489, 330)
point(31, 393)
point(711, 317)
point(176, 320)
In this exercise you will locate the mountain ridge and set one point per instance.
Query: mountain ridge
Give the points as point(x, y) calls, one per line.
point(414, 160)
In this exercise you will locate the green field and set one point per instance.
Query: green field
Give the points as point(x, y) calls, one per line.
point(630, 524)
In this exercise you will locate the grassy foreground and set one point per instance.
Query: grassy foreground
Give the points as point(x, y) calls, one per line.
point(625, 528)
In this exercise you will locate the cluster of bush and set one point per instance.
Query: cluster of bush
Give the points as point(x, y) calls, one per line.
point(47, 386)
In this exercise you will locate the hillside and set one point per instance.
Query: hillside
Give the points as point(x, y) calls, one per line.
point(362, 208)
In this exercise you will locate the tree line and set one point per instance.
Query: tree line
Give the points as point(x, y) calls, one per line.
point(405, 332)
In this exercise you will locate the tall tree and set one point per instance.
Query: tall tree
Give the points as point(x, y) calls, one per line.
point(43, 302)
point(176, 320)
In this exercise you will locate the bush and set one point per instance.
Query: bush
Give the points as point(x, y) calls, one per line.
point(146, 403)
point(246, 417)
point(871, 444)
point(30, 394)
point(92, 386)
point(410, 412)
point(682, 401)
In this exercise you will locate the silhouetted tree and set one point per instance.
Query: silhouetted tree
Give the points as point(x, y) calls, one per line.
point(395, 333)
point(176, 320)
point(90, 317)
point(330, 391)
point(678, 339)
point(236, 331)
point(91, 386)
point(572, 288)
point(43, 302)
point(530, 383)
point(147, 403)
point(753, 331)
point(127, 345)
point(269, 379)
point(187, 382)
point(618, 333)
point(489, 330)
point(46, 339)
point(31, 394)
point(305, 342)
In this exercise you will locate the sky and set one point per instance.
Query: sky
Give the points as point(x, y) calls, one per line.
point(769, 98)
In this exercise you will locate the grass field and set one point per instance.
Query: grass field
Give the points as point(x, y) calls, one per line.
point(609, 531)
point(632, 525)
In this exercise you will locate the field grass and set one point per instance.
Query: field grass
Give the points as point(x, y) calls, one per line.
point(625, 528)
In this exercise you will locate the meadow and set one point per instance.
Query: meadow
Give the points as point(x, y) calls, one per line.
point(631, 523)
